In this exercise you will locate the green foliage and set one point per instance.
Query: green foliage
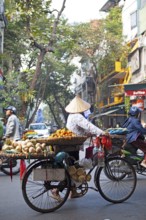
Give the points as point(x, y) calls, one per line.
point(28, 36)
point(127, 104)
point(115, 48)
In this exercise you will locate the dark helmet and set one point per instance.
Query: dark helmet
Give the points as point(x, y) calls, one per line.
point(12, 108)
point(60, 156)
point(134, 111)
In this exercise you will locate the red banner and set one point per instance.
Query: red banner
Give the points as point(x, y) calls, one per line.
point(141, 92)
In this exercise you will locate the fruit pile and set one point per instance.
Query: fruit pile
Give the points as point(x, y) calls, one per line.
point(25, 147)
point(29, 133)
point(62, 133)
point(79, 174)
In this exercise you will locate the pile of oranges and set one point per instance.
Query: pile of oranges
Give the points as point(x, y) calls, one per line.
point(62, 133)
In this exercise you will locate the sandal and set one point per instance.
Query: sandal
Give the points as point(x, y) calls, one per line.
point(55, 195)
point(74, 194)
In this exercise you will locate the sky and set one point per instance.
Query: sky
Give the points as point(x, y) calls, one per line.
point(81, 10)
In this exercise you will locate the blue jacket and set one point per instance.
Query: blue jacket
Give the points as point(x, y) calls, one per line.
point(135, 129)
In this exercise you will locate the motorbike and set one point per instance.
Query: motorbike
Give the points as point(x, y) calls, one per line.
point(130, 153)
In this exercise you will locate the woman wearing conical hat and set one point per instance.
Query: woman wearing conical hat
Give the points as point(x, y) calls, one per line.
point(76, 122)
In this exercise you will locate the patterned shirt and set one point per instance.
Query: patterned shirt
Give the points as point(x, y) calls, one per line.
point(81, 126)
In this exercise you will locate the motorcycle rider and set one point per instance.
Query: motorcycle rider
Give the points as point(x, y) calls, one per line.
point(136, 131)
point(13, 127)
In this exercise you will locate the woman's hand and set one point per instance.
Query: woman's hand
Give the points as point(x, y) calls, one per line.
point(106, 133)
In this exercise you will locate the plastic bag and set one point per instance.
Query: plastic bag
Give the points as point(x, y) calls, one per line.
point(86, 163)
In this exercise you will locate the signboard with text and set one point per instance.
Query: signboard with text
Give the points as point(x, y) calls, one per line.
point(135, 92)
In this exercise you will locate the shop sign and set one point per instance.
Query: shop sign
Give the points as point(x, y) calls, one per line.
point(135, 92)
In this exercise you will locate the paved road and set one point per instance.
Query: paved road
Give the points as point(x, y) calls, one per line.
point(90, 207)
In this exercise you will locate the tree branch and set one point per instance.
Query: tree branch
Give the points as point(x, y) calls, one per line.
point(53, 36)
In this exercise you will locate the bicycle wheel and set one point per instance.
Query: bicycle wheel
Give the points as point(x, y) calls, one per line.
point(116, 181)
point(5, 167)
point(37, 188)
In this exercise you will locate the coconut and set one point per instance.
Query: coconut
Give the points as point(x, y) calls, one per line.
point(5, 147)
point(43, 146)
point(72, 170)
point(29, 144)
point(75, 177)
point(14, 144)
point(38, 145)
point(32, 150)
point(80, 171)
point(82, 178)
point(88, 177)
point(19, 148)
point(38, 150)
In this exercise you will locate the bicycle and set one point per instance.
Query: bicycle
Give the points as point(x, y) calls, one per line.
point(43, 176)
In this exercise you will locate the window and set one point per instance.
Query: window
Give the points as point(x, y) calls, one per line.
point(133, 19)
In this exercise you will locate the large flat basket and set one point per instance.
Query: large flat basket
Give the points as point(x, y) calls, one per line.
point(77, 140)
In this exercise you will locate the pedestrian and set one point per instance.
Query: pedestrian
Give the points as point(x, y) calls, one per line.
point(136, 131)
point(13, 127)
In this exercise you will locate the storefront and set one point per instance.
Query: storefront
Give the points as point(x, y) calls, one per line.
point(136, 95)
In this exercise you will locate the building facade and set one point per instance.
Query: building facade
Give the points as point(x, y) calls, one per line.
point(124, 84)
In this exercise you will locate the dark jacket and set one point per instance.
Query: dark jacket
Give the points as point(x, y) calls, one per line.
point(135, 129)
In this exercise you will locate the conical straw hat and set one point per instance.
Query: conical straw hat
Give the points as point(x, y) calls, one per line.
point(77, 105)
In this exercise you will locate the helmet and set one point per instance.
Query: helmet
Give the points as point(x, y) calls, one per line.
point(134, 111)
point(12, 108)
point(60, 157)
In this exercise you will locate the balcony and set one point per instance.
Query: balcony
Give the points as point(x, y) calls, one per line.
point(109, 4)
point(115, 82)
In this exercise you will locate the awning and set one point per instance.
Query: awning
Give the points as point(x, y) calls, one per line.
point(106, 113)
point(135, 89)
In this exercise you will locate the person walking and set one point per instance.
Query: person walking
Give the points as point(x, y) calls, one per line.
point(13, 127)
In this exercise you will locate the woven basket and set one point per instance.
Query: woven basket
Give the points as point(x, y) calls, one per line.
point(78, 140)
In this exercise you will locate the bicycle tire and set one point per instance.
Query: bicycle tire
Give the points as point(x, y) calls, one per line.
point(113, 182)
point(5, 168)
point(37, 194)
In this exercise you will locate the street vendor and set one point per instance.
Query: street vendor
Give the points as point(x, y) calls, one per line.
point(77, 123)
